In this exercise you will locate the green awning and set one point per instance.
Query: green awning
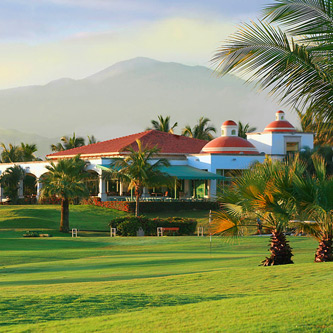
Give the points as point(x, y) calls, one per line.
point(188, 172)
point(181, 172)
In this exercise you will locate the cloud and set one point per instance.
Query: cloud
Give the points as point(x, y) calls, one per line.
point(176, 39)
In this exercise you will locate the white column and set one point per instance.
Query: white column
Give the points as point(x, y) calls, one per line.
point(121, 188)
point(212, 189)
point(187, 188)
point(39, 187)
point(102, 194)
point(145, 193)
point(20, 190)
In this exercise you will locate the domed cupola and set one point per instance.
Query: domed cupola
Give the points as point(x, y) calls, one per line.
point(230, 142)
point(280, 124)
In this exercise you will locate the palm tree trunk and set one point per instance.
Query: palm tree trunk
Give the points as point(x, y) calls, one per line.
point(324, 251)
point(280, 250)
point(137, 198)
point(64, 221)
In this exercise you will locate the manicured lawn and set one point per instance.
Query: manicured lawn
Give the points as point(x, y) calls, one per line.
point(150, 284)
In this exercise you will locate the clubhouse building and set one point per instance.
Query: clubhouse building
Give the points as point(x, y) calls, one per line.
point(200, 167)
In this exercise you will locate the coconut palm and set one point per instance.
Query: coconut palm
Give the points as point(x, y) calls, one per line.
point(68, 143)
point(138, 169)
point(10, 181)
point(295, 64)
point(314, 200)
point(200, 131)
point(243, 129)
point(65, 180)
point(163, 124)
point(312, 122)
point(10, 154)
point(264, 192)
point(92, 139)
point(27, 152)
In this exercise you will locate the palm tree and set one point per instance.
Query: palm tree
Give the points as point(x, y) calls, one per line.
point(314, 199)
point(200, 131)
point(312, 122)
point(11, 154)
point(261, 192)
point(243, 129)
point(163, 124)
point(65, 180)
point(295, 65)
point(27, 152)
point(92, 139)
point(68, 143)
point(139, 171)
point(10, 181)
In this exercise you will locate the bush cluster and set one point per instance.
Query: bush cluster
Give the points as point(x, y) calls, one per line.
point(129, 225)
point(153, 206)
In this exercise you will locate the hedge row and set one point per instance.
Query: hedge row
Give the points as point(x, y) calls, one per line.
point(129, 225)
point(153, 206)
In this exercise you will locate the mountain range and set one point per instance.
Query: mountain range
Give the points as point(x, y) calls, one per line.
point(123, 98)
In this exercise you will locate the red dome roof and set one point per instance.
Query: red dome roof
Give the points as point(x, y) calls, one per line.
point(280, 126)
point(280, 111)
point(230, 145)
point(229, 123)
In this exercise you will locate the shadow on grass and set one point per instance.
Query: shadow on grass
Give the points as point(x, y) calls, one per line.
point(33, 309)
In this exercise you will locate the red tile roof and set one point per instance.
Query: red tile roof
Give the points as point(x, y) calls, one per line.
point(168, 144)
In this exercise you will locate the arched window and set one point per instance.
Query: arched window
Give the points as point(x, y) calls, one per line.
point(233, 132)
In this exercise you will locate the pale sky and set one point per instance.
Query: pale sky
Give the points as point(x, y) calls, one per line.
point(44, 40)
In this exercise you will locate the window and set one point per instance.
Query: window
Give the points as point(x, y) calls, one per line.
point(292, 147)
point(229, 175)
point(233, 132)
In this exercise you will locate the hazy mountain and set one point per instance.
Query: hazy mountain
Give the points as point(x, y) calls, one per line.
point(123, 98)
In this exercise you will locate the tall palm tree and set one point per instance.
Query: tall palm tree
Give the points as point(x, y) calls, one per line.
point(295, 64)
point(68, 143)
point(264, 192)
point(243, 129)
point(10, 154)
point(65, 180)
point(139, 171)
point(163, 124)
point(202, 130)
point(314, 199)
point(10, 180)
point(92, 139)
point(312, 122)
point(27, 152)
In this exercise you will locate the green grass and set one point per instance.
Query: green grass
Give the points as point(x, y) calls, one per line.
point(150, 284)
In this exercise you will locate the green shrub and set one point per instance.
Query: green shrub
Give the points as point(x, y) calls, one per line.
point(129, 225)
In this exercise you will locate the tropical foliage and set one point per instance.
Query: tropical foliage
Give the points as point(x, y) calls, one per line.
point(295, 64)
point(139, 168)
point(92, 139)
point(23, 153)
point(243, 129)
point(10, 182)
point(65, 180)
point(163, 124)
point(68, 143)
point(202, 130)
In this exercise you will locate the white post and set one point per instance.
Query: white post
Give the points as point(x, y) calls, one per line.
point(187, 188)
point(74, 232)
point(39, 188)
point(121, 188)
point(113, 232)
point(20, 190)
point(102, 194)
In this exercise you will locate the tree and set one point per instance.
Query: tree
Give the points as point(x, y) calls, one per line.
point(23, 153)
point(65, 180)
point(68, 143)
point(243, 129)
point(295, 65)
point(11, 154)
point(200, 131)
point(10, 181)
point(163, 124)
point(314, 200)
point(140, 168)
point(261, 192)
point(92, 139)
point(313, 122)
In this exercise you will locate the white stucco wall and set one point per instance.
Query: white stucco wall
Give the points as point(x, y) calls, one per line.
point(262, 141)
